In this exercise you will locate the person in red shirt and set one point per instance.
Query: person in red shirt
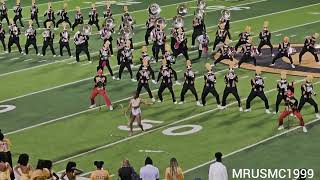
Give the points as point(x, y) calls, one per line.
point(100, 81)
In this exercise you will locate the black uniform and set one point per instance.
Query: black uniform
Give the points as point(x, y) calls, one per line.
point(121, 42)
point(34, 14)
point(48, 37)
point(2, 37)
point(221, 36)
point(283, 86)
point(18, 14)
point(257, 84)
point(144, 55)
point(166, 82)
point(81, 42)
point(226, 23)
point(94, 18)
point(50, 17)
point(306, 96)
point(4, 12)
point(283, 52)
point(64, 42)
point(150, 26)
point(225, 53)
point(248, 54)
point(198, 28)
point(243, 38)
point(309, 47)
point(180, 46)
point(231, 80)
point(14, 32)
point(78, 19)
point(63, 17)
point(106, 35)
point(104, 55)
point(189, 78)
point(125, 61)
point(209, 87)
point(31, 34)
point(159, 43)
point(107, 14)
point(265, 39)
point(143, 77)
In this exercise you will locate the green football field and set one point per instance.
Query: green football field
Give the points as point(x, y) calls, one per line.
point(51, 119)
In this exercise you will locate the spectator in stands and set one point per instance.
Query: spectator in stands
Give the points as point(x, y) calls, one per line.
point(23, 169)
point(174, 172)
point(71, 171)
point(149, 172)
point(217, 170)
point(99, 173)
point(43, 171)
point(5, 168)
point(126, 172)
point(5, 146)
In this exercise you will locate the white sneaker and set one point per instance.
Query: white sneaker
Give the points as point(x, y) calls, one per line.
point(153, 99)
point(54, 55)
point(92, 106)
point(304, 129)
point(280, 127)
point(219, 106)
point(318, 115)
point(260, 54)
point(42, 55)
point(275, 112)
point(291, 115)
point(272, 55)
point(154, 81)
point(247, 110)
point(175, 102)
point(272, 64)
point(111, 108)
point(199, 104)
point(181, 102)
point(293, 66)
point(90, 62)
point(38, 54)
point(133, 80)
point(6, 52)
point(118, 79)
point(223, 107)
point(268, 111)
point(159, 101)
point(114, 78)
point(71, 56)
point(240, 109)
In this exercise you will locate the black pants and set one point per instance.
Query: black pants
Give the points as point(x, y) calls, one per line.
point(233, 91)
point(83, 47)
point(162, 87)
point(5, 17)
point(15, 18)
point(94, 23)
point(63, 20)
point(217, 41)
point(311, 50)
point(3, 44)
point(263, 43)
point(45, 45)
point(278, 101)
point(185, 89)
point(76, 23)
point(280, 55)
point(35, 17)
point(14, 41)
point(123, 65)
point(206, 90)
point(310, 100)
point(107, 64)
point(253, 94)
point(49, 20)
point(246, 58)
point(221, 57)
point(146, 87)
point(32, 42)
point(181, 50)
point(110, 46)
point(147, 35)
point(119, 55)
point(239, 43)
point(157, 51)
point(66, 45)
point(197, 31)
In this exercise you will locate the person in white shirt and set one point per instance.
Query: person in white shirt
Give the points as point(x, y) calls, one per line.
point(149, 172)
point(217, 170)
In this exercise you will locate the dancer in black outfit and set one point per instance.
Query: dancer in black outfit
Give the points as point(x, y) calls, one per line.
point(209, 86)
point(265, 38)
point(284, 50)
point(309, 46)
point(166, 82)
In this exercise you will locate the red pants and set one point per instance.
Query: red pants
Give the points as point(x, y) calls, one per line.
point(285, 113)
point(95, 91)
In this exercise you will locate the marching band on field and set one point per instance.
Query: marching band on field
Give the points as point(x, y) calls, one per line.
point(155, 31)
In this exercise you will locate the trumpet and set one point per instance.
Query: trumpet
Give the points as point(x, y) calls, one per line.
point(154, 9)
point(182, 10)
point(225, 14)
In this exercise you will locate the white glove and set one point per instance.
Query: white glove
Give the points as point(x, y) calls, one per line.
point(154, 81)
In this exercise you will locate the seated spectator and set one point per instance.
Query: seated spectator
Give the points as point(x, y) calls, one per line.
point(149, 172)
point(126, 172)
point(23, 169)
point(71, 171)
point(217, 170)
point(43, 171)
point(5, 168)
point(174, 172)
point(99, 173)
point(5, 146)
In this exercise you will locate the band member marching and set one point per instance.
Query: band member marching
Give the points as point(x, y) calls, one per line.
point(307, 91)
point(143, 76)
point(189, 79)
point(63, 16)
point(209, 86)
point(170, 60)
point(108, 12)
point(126, 19)
point(126, 60)
point(225, 20)
point(50, 16)
point(225, 51)
point(257, 84)
point(249, 53)
point(4, 12)
point(31, 35)
point(100, 82)
point(94, 17)
point(145, 57)
point(309, 44)
point(14, 38)
point(106, 35)
point(150, 25)
point(243, 37)
point(265, 38)
point(231, 80)
point(198, 25)
point(180, 46)
point(283, 86)
point(203, 40)
point(284, 50)
point(18, 13)
point(48, 37)
point(64, 40)
point(167, 76)
point(81, 42)
point(2, 37)
point(104, 61)
point(291, 108)
point(221, 36)
point(34, 12)
point(159, 37)
point(78, 18)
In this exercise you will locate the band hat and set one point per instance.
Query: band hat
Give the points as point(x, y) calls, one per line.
point(247, 29)
point(309, 78)
point(125, 8)
point(316, 35)
point(30, 23)
point(286, 39)
point(258, 70)
point(144, 49)
point(208, 66)
point(266, 24)
point(283, 75)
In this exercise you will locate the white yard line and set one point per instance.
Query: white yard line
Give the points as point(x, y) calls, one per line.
point(42, 61)
point(28, 60)
point(243, 77)
point(16, 58)
point(278, 35)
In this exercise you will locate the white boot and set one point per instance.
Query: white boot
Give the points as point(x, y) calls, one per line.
point(268, 111)
point(272, 64)
point(153, 100)
point(293, 66)
point(280, 127)
point(92, 106)
point(199, 104)
point(304, 129)
point(159, 101)
point(133, 80)
point(272, 55)
point(240, 109)
point(175, 102)
point(247, 110)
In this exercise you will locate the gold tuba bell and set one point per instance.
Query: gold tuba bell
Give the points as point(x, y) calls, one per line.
point(126, 32)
